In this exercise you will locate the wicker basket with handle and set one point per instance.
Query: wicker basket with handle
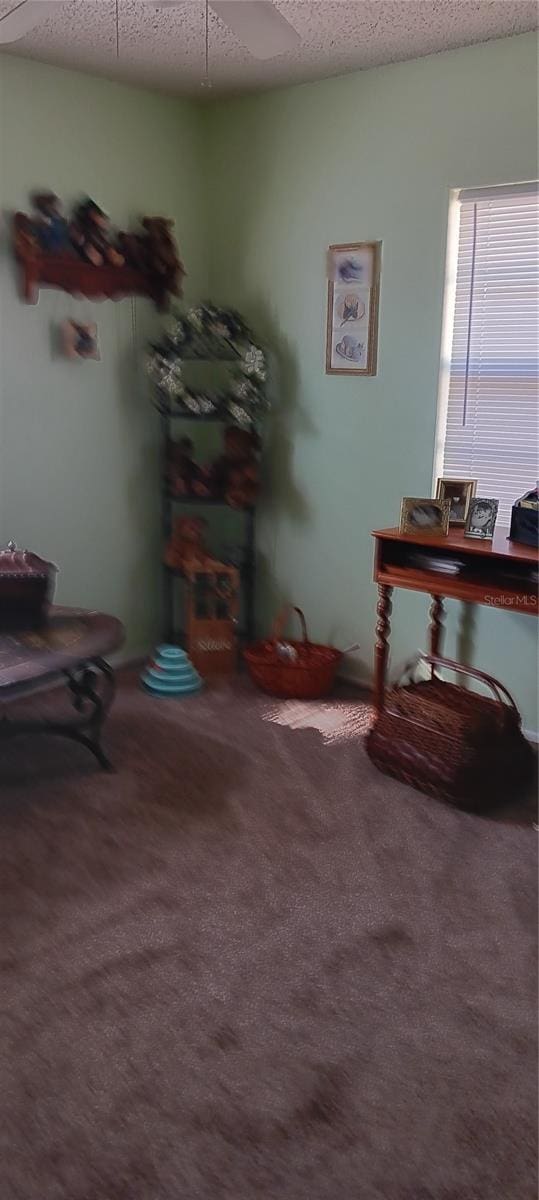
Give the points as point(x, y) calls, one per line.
point(450, 742)
point(307, 674)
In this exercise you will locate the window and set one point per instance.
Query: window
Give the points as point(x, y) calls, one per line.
point(488, 420)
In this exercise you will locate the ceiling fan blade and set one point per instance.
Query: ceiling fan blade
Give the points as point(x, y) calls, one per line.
point(257, 23)
point(259, 26)
point(23, 17)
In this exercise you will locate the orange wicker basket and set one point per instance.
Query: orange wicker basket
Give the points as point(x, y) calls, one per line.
point(309, 671)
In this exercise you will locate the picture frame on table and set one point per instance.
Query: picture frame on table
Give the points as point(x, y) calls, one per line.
point(481, 518)
point(352, 308)
point(459, 492)
point(424, 515)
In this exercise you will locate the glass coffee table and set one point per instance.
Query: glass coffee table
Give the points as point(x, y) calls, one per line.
point(68, 647)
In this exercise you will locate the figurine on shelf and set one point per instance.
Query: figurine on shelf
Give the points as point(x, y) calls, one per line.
point(234, 475)
point(162, 257)
point(133, 246)
point(186, 550)
point(185, 476)
point(91, 236)
point(51, 227)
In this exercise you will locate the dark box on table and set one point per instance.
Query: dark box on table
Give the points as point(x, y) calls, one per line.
point(26, 588)
point(525, 519)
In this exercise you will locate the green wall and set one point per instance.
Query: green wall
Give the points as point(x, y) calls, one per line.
point(78, 455)
point(367, 156)
point(258, 187)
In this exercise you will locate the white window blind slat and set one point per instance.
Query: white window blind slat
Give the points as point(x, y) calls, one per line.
point(491, 431)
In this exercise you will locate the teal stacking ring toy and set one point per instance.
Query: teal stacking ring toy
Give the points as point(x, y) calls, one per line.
point(170, 673)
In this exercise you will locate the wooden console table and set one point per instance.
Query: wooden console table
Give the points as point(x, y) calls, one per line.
point(498, 573)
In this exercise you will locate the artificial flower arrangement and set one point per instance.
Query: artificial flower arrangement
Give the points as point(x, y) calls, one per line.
point(211, 333)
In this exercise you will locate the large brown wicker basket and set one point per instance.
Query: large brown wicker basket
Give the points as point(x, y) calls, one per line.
point(306, 675)
point(450, 742)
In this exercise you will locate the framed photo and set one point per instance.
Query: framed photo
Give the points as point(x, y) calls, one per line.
point(481, 518)
point(424, 515)
point(459, 492)
point(79, 340)
point(352, 316)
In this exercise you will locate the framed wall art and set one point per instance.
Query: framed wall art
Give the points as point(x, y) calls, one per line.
point(352, 316)
point(79, 340)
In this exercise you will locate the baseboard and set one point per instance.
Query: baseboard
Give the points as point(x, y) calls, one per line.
point(352, 674)
point(128, 658)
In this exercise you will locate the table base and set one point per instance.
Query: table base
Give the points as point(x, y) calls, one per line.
point(91, 686)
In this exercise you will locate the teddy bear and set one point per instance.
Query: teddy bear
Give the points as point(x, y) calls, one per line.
point(133, 246)
point(234, 476)
point(50, 226)
point(185, 476)
point(91, 236)
point(162, 257)
point(186, 550)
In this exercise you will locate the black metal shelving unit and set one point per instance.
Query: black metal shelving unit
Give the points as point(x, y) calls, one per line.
point(169, 416)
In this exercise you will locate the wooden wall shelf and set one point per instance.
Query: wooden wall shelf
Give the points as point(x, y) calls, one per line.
point(70, 274)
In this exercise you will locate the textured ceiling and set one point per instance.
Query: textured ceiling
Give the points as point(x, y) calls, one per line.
point(164, 48)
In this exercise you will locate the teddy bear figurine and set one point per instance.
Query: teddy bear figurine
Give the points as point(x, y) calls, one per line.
point(162, 254)
point(133, 246)
point(234, 475)
point(91, 236)
point(50, 226)
point(185, 476)
point(186, 550)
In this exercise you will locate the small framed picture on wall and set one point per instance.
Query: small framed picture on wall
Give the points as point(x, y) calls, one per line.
point(79, 340)
point(352, 316)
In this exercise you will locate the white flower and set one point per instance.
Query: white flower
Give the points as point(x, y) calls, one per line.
point(242, 389)
point(171, 379)
point(196, 318)
point(254, 362)
point(239, 415)
point(177, 334)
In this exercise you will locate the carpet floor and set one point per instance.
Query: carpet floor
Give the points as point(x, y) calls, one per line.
point(247, 966)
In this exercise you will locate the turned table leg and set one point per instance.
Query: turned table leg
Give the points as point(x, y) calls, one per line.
point(436, 627)
point(465, 637)
point(383, 629)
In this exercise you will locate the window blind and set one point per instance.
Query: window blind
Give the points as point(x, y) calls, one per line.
point(491, 429)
